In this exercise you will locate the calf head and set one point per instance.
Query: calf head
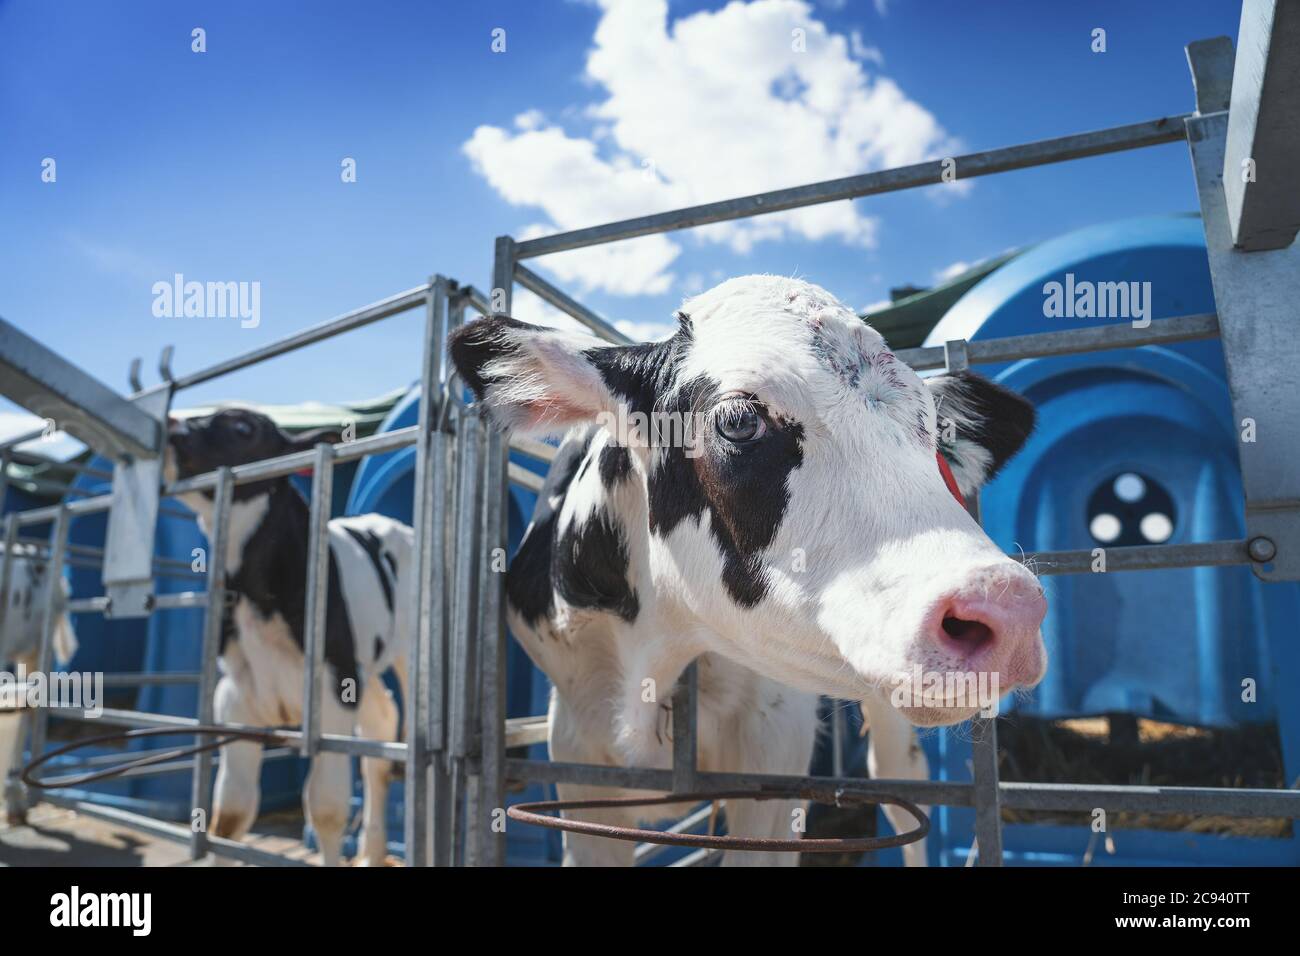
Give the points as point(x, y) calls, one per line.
point(796, 508)
point(232, 436)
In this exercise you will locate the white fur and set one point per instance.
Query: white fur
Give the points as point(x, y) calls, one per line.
point(870, 543)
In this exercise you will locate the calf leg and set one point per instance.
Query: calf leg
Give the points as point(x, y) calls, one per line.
point(572, 741)
point(239, 772)
point(894, 753)
point(776, 736)
point(327, 798)
point(14, 728)
point(376, 720)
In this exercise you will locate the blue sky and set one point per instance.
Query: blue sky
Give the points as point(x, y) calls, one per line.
point(225, 165)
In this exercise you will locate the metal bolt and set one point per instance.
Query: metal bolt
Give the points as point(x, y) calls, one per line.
point(1261, 549)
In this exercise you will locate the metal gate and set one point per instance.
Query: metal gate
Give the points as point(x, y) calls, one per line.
point(455, 751)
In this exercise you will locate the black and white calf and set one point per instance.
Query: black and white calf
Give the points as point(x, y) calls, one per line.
point(20, 643)
point(261, 683)
point(797, 535)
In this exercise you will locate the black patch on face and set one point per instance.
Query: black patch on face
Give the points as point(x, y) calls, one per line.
point(744, 487)
point(371, 544)
point(999, 420)
point(639, 374)
point(591, 564)
point(379, 646)
point(272, 576)
point(615, 465)
point(237, 436)
point(529, 586)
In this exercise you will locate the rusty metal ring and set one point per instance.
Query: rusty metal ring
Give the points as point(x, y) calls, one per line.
point(228, 734)
point(538, 813)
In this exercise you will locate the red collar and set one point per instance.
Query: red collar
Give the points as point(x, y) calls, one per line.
point(949, 480)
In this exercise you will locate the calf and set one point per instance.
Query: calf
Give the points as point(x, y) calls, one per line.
point(21, 620)
point(367, 624)
point(773, 492)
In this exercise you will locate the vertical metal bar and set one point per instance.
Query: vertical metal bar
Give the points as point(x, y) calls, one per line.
point(6, 459)
point(988, 796)
point(317, 600)
point(440, 449)
point(14, 797)
point(839, 732)
point(6, 568)
point(53, 577)
point(686, 699)
point(213, 618)
point(984, 730)
point(461, 706)
point(492, 635)
point(427, 590)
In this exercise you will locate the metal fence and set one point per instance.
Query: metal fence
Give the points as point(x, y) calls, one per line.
point(457, 734)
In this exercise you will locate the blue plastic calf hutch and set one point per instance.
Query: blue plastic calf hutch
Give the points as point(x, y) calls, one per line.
point(1132, 447)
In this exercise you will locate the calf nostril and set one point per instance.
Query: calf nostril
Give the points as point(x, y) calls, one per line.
point(970, 633)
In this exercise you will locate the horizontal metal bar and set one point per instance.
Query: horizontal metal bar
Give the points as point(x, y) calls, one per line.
point(647, 778)
point(11, 443)
point(568, 305)
point(47, 384)
point(526, 731)
point(475, 298)
point(1227, 801)
point(1220, 801)
point(175, 832)
point(302, 460)
point(1167, 129)
point(156, 679)
point(523, 477)
point(355, 319)
point(90, 605)
point(1148, 557)
point(533, 448)
point(158, 769)
point(1187, 328)
point(334, 743)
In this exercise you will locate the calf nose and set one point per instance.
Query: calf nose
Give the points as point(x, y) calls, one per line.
point(994, 623)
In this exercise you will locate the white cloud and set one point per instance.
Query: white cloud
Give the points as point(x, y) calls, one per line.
point(714, 105)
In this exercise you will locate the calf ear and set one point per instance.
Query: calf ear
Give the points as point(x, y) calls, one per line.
point(981, 425)
point(305, 441)
point(532, 378)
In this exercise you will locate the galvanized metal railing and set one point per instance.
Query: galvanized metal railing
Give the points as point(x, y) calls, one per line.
point(455, 752)
point(1205, 131)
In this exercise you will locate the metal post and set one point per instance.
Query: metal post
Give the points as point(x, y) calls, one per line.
point(686, 711)
point(1256, 294)
point(492, 630)
point(14, 792)
point(213, 619)
point(53, 575)
point(461, 703)
point(426, 596)
point(439, 579)
point(317, 600)
point(984, 730)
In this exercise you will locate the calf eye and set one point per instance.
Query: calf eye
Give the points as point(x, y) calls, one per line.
point(738, 421)
point(242, 427)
